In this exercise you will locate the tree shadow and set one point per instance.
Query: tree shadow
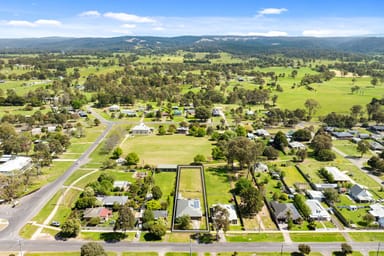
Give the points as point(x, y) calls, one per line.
point(296, 254)
point(113, 237)
point(151, 237)
point(204, 238)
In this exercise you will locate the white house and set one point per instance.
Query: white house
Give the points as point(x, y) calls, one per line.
point(296, 145)
point(231, 210)
point(318, 212)
point(14, 164)
point(114, 108)
point(338, 176)
point(141, 129)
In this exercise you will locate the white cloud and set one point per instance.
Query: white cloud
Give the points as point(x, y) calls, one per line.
point(128, 17)
point(268, 11)
point(128, 26)
point(90, 13)
point(158, 28)
point(269, 33)
point(48, 22)
point(24, 23)
point(21, 23)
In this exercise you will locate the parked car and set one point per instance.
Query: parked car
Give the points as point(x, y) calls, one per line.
point(55, 224)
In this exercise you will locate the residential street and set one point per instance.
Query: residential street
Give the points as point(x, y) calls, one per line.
point(30, 205)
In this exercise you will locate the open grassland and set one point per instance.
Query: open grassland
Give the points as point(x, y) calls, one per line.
point(139, 254)
point(349, 148)
point(190, 185)
point(292, 176)
point(217, 185)
point(317, 237)
point(60, 254)
point(171, 149)
point(255, 237)
point(263, 254)
point(367, 236)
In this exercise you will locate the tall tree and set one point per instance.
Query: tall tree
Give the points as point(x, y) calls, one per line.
point(220, 217)
point(363, 147)
point(311, 105)
point(126, 219)
point(92, 249)
point(251, 200)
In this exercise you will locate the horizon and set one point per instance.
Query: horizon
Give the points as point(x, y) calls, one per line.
point(103, 19)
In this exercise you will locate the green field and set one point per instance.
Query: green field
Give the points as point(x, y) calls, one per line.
point(169, 149)
point(255, 237)
point(317, 237)
point(367, 236)
point(218, 186)
point(190, 184)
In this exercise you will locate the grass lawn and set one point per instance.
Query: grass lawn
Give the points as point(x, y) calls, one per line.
point(180, 254)
point(65, 208)
point(374, 253)
point(107, 236)
point(292, 176)
point(317, 237)
point(77, 174)
point(139, 254)
point(255, 237)
point(28, 230)
point(353, 254)
point(90, 178)
point(367, 236)
point(190, 185)
point(169, 149)
point(217, 185)
point(121, 175)
point(263, 254)
point(47, 209)
point(349, 148)
point(60, 254)
point(178, 237)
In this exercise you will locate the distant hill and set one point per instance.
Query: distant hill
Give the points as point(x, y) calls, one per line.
point(233, 44)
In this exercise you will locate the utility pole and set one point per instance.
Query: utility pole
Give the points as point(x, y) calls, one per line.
point(378, 249)
point(190, 247)
point(282, 246)
point(20, 248)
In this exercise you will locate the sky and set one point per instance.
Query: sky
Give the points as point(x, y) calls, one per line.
point(111, 18)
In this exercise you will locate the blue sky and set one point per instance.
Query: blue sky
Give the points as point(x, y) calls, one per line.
point(108, 18)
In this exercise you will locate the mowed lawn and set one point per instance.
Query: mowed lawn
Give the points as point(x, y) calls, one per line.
point(190, 185)
point(169, 149)
point(217, 186)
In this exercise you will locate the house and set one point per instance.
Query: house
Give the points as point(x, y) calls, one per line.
point(360, 194)
point(338, 176)
point(182, 130)
point(109, 201)
point(262, 133)
point(122, 185)
point(377, 210)
point(316, 195)
point(260, 167)
point(166, 168)
point(128, 112)
point(82, 114)
point(283, 211)
point(373, 145)
point(296, 145)
point(216, 112)
point(141, 129)
point(356, 140)
point(342, 135)
point(163, 214)
point(98, 212)
point(114, 108)
point(318, 212)
point(364, 136)
point(377, 128)
point(11, 165)
point(323, 186)
point(231, 210)
point(190, 207)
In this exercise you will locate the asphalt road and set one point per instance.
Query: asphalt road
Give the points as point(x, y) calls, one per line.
point(62, 246)
point(30, 205)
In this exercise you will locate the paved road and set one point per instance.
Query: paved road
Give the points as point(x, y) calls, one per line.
point(31, 205)
point(61, 246)
point(358, 162)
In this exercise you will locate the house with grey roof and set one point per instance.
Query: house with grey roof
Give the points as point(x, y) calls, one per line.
point(283, 211)
point(190, 207)
point(360, 194)
point(109, 201)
